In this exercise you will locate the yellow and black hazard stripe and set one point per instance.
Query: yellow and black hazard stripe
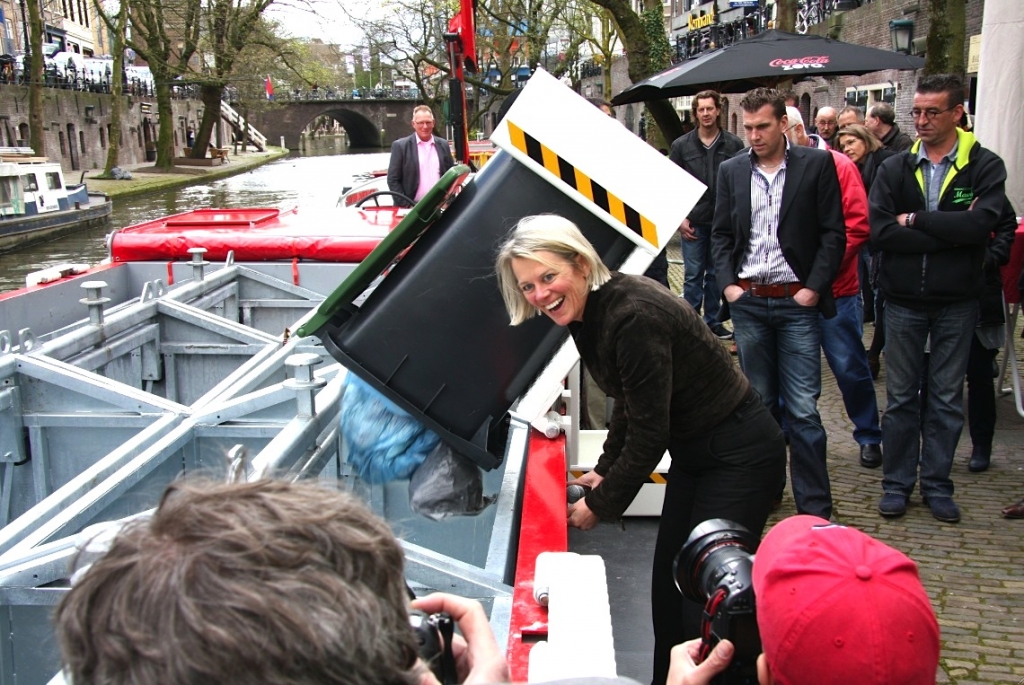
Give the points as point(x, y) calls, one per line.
point(583, 184)
point(656, 478)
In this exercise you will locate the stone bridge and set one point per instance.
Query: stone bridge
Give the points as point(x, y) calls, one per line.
point(364, 120)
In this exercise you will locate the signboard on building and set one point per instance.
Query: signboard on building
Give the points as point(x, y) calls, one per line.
point(701, 20)
point(743, 3)
point(974, 54)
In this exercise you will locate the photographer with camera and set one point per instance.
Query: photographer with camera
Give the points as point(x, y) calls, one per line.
point(263, 582)
point(833, 605)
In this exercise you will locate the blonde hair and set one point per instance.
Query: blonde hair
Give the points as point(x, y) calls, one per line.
point(544, 233)
point(861, 133)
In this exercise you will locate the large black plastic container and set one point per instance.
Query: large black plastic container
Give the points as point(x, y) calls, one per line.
point(434, 336)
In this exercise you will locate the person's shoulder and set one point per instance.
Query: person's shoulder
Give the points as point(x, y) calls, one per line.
point(732, 138)
point(737, 160)
point(802, 152)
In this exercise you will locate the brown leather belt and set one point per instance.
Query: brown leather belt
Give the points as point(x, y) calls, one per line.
point(770, 289)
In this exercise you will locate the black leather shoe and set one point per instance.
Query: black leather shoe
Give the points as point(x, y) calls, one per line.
point(871, 456)
point(980, 459)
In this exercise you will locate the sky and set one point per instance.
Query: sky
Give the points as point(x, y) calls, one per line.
point(323, 19)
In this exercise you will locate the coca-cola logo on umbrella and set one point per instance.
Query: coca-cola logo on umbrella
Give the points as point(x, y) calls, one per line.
point(810, 62)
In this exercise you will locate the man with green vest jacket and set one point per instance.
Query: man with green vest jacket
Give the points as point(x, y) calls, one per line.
point(933, 210)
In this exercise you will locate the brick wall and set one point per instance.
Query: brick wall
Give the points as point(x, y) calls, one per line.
point(76, 125)
point(869, 25)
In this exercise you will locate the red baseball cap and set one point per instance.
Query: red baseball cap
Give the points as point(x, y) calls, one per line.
point(837, 606)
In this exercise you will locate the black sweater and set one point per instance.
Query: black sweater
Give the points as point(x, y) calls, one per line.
point(670, 377)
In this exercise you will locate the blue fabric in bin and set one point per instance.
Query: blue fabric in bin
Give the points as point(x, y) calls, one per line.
point(383, 441)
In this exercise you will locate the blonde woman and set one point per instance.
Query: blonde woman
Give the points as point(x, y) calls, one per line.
point(675, 388)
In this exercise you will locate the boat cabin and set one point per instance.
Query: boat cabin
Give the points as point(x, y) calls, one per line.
point(35, 185)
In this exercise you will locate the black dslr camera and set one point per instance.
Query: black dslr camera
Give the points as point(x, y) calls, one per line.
point(434, 636)
point(715, 566)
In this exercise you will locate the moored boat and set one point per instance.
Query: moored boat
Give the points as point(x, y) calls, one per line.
point(36, 204)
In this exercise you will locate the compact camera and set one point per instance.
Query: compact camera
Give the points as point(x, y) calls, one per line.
point(434, 637)
point(715, 567)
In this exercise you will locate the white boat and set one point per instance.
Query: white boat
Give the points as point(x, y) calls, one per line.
point(36, 204)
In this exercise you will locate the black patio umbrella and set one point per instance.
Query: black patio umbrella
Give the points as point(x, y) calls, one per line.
point(765, 60)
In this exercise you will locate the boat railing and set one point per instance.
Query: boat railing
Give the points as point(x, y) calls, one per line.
point(102, 415)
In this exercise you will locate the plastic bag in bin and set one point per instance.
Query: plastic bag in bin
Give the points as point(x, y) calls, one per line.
point(383, 442)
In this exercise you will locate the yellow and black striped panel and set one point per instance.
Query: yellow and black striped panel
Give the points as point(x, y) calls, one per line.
point(656, 478)
point(583, 184)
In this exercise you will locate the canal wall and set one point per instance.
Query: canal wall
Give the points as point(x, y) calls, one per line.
point(76, 125)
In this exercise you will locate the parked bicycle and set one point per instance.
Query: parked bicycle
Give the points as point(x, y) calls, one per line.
point(811, 12)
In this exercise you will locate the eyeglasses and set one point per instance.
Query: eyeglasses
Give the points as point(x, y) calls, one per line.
point(929, 114)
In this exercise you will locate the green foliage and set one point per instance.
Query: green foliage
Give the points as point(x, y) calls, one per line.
point(660, 50)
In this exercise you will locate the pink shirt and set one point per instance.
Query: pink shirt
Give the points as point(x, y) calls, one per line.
point(430, 166)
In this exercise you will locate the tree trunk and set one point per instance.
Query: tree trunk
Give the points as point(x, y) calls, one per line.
point(35, 80)
point(210, 95)
point(165, 137)
point(116, 93)
point(946, 36)
point(785, 15)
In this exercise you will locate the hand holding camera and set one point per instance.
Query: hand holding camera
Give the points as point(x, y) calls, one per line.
point(477, 656)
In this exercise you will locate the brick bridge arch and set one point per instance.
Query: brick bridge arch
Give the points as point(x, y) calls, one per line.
point(362, 119)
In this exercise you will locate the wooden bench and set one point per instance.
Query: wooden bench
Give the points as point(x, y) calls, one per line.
point(219, 153)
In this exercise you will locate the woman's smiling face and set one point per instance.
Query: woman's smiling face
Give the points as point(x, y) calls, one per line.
point(556, 287)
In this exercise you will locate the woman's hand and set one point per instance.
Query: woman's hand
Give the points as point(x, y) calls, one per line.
point(581, 517)
point(590, 479)
point(477, 657)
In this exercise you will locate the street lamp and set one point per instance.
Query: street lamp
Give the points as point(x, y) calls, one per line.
point(901, 31)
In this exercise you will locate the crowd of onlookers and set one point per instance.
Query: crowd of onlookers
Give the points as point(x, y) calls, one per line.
point(927, 227)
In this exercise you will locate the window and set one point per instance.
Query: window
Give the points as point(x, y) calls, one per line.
point(28, 183)
point(8, 191)
point(52, 180)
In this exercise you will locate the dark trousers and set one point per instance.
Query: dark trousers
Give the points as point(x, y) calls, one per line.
point(981, 395)
point(731, 472)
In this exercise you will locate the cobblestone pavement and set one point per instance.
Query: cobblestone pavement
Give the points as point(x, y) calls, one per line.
point(973, 570)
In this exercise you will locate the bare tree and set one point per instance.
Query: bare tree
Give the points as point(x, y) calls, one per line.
point(116, 89)
point(165, 34)
point(34, 69)
point(648, 49)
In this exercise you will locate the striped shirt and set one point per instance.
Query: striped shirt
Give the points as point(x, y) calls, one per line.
point(763, 262)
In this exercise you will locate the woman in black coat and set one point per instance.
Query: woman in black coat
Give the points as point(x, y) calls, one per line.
point(675, 389)
point(866, 151)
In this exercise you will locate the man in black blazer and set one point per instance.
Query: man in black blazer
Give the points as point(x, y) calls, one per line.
point(778, 238)
point(420, 151)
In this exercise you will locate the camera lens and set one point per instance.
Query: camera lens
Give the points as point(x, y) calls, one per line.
point(715, 550)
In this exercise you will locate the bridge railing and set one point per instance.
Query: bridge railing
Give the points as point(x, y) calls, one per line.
point(299, 95)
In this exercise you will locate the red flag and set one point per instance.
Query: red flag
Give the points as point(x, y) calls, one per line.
point(269, 87)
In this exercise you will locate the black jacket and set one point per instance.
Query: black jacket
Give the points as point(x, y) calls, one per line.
point(690, 154)
point(811, 231)
point(896, 140)
point(997, 254)
point(869, 166)
point(937, 261)
point(671, 380)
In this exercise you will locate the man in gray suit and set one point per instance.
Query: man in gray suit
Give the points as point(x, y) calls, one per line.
point(419, 160)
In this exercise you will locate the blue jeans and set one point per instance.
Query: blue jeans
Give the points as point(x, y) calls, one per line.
point(907, 331)
point(779, 344)
point(842, 342)
point(699, 286)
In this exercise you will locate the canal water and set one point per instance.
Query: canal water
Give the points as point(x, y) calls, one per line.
point(312, 182)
